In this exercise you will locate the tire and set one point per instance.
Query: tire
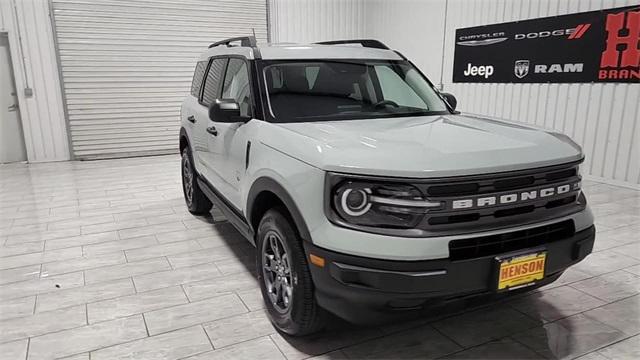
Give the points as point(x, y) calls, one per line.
point(197, 202)
point(300, 314)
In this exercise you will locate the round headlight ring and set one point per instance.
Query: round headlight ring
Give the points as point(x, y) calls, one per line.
point(361, 207)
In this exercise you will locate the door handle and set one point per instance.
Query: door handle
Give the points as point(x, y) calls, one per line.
point(192, 119)
point(13, 107)
point(212, 130)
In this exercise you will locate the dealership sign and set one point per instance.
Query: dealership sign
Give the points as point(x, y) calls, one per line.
point(595, 46)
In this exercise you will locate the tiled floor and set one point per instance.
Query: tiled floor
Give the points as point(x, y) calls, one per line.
point(101, 260)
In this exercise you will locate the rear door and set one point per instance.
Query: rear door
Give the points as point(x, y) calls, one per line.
point(202, 138)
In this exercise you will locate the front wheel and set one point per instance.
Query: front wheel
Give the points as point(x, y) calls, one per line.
point(197, 202)
point(284, 276)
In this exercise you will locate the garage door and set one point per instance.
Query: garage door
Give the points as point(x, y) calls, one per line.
point(127, 65)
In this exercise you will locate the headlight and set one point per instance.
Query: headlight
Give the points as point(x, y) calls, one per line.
point(380, 205)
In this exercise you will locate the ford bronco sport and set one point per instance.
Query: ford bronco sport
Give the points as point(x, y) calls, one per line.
point(365, 193)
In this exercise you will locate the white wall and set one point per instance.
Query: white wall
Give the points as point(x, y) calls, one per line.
point(34, 65)
point(316, 20)
point(603, 118)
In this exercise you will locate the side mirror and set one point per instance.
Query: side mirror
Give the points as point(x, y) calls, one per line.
point(451, 100)
point(225, 111)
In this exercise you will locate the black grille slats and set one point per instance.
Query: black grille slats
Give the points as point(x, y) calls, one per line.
point(471, 248)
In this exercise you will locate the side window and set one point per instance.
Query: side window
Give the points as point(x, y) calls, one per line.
point(236, 85)
point(198, 74)
point(212, 82)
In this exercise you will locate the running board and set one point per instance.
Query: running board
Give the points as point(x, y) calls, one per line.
point(230, 212)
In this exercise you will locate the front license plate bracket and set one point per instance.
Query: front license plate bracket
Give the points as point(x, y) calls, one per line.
point(516, 271)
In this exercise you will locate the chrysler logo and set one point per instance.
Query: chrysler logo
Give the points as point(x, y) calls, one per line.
point(513, 197)
point(521, 68)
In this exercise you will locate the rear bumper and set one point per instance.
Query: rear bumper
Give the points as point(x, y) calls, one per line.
point(365, 290)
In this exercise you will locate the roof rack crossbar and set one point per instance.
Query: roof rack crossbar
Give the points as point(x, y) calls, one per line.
point(370, 43)
point(248, 41)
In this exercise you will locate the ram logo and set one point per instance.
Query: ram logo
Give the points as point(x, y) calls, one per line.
point(513, 198)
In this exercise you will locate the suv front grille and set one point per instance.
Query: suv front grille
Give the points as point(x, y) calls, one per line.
point(501, 243)
point(477, 216)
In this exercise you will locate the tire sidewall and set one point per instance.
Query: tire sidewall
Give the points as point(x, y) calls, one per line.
point(187, 153)
point(288, 321)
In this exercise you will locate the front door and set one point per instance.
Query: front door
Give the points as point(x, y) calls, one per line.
point(12, 147)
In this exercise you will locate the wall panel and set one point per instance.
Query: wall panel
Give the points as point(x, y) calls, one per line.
point(34, 64)
point(305, 21)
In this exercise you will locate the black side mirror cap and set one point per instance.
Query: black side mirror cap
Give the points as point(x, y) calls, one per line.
point(226, 111)
point(451, 100)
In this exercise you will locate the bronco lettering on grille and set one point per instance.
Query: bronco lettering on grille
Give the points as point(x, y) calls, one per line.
point(513, 198)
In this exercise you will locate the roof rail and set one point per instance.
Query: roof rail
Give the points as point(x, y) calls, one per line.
point(370, 43)
point(249, 41)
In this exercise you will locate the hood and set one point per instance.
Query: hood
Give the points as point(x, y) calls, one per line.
point(425, 146)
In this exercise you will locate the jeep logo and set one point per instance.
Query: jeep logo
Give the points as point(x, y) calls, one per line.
point(482, 70)
point(511, 198)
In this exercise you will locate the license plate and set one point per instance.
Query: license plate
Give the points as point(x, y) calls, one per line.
point(521, 270)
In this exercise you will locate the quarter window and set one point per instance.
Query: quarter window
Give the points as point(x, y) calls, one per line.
point(236, 85)
point(212, 83)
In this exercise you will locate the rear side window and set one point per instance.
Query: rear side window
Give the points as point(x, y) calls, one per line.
point(212, 82)
point(198, 74)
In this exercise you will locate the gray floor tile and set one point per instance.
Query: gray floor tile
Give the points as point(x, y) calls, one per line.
point(421, 342)
point(239, 328)
point(167, 278)
point(81, 240)
point(628, 349)
point(605, 261)
point(151, 229)
point(262, 348)
point(163, 250)
point(43, 323)
point(173, 345)
point(623, 315)
point(29, 272)
point(41, 285)
point(553, 304)
point(40, 257)
point(160, 321)
point(485, 324)
point(126, 270)
point(252, 298)
point(15, 350)
point(87, 338)
point(610, 287)
point(201, 256)
point(17, 307)
point(135, 304)
point(220, 285)
point(83, 263)
point(19, 249)
point(506, 349)
point(569, 337)
point(118, 245)
point(84, 294)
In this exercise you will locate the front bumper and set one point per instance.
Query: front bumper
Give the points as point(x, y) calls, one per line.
point(365, 290)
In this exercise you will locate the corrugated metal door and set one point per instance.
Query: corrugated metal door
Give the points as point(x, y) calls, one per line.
point(127, 65)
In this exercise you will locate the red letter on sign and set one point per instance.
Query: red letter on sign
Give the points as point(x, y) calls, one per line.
point(631, 54)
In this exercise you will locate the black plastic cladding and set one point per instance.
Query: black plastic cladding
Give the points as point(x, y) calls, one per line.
point(444, 222)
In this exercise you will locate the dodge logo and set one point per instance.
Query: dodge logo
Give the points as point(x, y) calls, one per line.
point(521, 68)
point(513, 198)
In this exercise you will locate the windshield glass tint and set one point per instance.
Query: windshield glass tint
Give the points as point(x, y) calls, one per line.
point(336, 90)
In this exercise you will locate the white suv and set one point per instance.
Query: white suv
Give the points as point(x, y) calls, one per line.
point(365, 193)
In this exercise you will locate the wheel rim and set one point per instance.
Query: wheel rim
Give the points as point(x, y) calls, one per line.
point(276, 270)
point(187, 179)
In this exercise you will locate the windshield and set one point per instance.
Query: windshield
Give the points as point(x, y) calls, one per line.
point(301, 91)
